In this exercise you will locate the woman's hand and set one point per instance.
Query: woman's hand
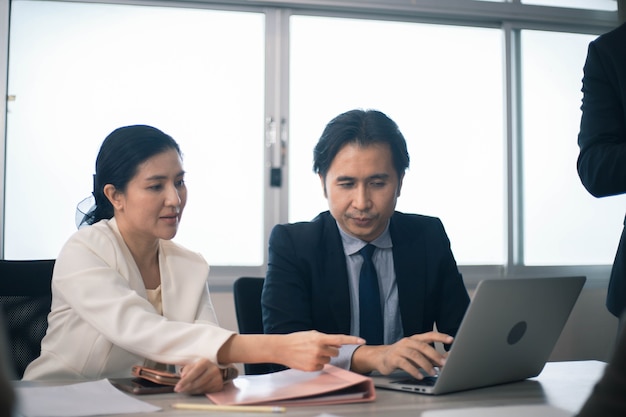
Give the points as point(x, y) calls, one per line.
point(307, 350)
point(311, 350)
point(200, 377)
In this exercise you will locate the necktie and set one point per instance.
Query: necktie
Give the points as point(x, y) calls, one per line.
point(370, 311)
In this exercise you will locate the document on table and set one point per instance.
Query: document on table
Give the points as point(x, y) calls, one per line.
point(292, 387)
point(82, 399)
point(508, 411)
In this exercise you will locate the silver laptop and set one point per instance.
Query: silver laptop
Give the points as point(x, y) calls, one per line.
point(507, 335)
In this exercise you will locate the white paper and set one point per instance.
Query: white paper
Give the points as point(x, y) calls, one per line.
point(505, 411)
point(82, 399)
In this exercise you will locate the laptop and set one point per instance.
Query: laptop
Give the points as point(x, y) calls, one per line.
point(507, 334)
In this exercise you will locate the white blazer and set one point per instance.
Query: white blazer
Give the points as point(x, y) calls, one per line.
point(101, 322)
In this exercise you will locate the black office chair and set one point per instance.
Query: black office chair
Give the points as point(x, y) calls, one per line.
point(25, 298)
point(247, 294)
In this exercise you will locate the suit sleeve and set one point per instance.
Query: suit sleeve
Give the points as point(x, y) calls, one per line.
point(454, 299)
point(286, 298)
point(602, 138)
point(446, 293)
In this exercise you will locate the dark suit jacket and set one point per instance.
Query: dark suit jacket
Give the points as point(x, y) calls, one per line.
point(306, 286)
point(602, 138)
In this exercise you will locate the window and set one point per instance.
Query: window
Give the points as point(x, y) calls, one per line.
point(78, 71)
point(442, 85)
point(563, 224)
point(213, 74)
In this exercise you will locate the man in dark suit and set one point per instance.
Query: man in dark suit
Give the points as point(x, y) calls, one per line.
point(602, 169)
point(316, 270)
point(602, 138)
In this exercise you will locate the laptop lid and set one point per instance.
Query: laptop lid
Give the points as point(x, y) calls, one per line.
point(507, 334)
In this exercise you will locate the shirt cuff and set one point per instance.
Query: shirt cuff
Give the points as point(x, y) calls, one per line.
point(344, 359)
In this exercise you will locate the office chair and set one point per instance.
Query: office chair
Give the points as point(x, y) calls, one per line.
point(247, 295)
point(25, 298)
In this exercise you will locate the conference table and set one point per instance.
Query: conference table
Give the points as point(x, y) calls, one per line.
point(565, 385)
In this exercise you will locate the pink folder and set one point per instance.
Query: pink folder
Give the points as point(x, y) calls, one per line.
point(331, 385)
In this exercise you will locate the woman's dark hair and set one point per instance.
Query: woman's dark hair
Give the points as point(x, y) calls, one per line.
point(119, 157)
point(363, 127)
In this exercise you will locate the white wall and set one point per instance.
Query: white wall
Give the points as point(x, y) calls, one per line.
point(590, 331)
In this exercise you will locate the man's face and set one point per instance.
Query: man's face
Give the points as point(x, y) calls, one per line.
point(362, 188)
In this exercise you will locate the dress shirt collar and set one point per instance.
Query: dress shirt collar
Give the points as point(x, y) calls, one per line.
point(352, 245)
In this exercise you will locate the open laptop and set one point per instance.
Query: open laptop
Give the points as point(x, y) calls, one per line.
point(507, 334)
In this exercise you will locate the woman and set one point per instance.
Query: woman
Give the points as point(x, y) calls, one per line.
point(123, 292)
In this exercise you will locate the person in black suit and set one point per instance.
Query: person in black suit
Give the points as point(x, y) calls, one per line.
point(313, 275)
point(602, 169)
point(602, 138)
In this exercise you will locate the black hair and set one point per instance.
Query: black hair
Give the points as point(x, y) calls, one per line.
point(364, 127)
point(120, 155)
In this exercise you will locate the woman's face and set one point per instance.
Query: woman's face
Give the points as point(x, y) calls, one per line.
point(152, 205)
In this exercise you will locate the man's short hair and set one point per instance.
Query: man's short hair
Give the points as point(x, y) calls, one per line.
point(363, 127)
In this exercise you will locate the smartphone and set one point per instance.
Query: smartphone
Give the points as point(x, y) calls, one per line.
point(139, 386)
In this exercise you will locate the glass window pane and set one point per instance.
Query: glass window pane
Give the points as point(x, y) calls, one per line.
point(563, 223)
point(78, 71)
point(441, 84)
point(609, 5)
